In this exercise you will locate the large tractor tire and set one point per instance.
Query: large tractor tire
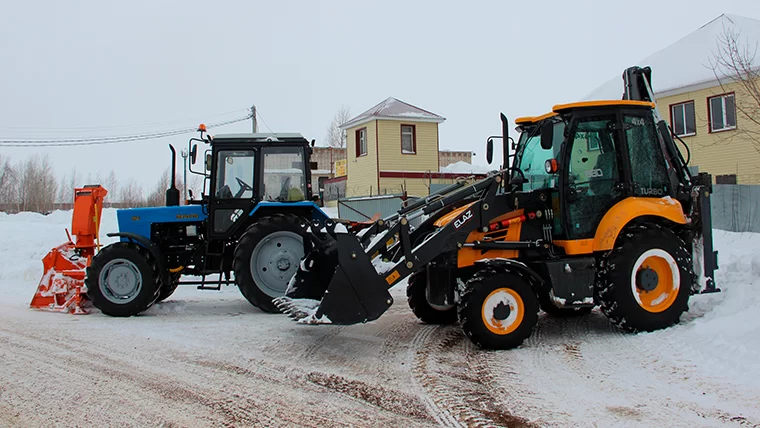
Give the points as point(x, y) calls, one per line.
point(422, 309)
point(123, 280)
point(266, 258)
point(644, 283)
point(499, 309)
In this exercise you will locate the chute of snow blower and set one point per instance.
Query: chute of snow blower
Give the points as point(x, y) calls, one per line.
point(61, 288)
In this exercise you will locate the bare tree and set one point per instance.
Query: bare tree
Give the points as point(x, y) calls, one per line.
point(734, 62)
point(131, 194)
point(8, 185)
point(157, 197)
point(37, 184)
point(336, 137)
point(111, 184)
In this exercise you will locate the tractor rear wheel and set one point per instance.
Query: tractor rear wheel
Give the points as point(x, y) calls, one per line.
point(499, 309)
point(266, 258)
point(418, 302)
point(645, 282)
point(123, 280)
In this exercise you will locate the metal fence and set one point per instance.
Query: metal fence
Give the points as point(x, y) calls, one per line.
point(736, 207)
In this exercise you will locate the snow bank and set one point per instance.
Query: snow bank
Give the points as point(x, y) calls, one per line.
point(466, 168)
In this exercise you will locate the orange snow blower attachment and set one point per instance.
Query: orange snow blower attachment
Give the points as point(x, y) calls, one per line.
point(61, 288)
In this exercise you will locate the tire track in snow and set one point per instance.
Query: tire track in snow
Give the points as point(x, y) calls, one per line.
point(588, 357)
point(444, 367)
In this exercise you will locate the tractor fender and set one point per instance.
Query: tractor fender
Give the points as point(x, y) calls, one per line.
point(631, 208)
point(145, 242)
point(513, 266)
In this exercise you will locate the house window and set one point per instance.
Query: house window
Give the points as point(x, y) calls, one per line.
point(722, 112)
point(682, 119)
point(408, 139)
point(361, 142)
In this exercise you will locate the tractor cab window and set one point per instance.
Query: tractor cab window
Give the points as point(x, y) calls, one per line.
point(648, 165)
point(593, 174)
point(284, 177)
point(234, 174)
point(531, 158)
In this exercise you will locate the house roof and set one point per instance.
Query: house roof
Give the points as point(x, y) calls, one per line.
point(687, 62)
point(392, 108)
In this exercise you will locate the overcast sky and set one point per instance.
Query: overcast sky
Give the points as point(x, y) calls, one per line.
point(120, 68)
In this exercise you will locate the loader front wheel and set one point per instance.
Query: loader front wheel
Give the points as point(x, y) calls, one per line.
point(644, 283)
point(123, 280)
point(266, 258)
point(418, 302)
point(499, 309)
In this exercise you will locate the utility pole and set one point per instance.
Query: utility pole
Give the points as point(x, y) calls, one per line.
point(253, 119)
point(184, 186)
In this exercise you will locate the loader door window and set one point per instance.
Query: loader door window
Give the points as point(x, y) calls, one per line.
point(593, 174)
point(532, 158)
point(648, 167)
point(284, 177)
point(234, 174)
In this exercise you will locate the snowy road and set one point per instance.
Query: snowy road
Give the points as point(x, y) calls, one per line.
point(208, 358)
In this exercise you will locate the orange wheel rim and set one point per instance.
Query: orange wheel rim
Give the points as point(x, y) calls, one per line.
point(494, 307)
point(668, 281)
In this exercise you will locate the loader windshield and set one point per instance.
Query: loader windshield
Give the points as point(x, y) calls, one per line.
point(284, 177)
point(531, 157)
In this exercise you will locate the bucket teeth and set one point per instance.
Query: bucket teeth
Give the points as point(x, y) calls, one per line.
point(302, 311)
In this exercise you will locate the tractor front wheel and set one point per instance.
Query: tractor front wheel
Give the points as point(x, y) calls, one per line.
point(123, 280)
point(499, 309)
point(266, 258)
point(644, 283)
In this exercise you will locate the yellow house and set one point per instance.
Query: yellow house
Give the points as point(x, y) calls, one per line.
point(700, 103)
point(393, 148)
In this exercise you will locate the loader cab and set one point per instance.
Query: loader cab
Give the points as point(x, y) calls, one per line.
point(245, 170)
point(608, 152)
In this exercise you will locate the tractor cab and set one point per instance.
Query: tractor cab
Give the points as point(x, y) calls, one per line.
point(244, 170)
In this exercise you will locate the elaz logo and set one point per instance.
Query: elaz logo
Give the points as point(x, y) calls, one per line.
point(464, 219)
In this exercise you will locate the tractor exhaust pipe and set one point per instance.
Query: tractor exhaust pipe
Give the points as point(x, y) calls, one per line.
point(172, 193)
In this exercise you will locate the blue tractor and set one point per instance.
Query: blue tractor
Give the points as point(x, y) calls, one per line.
point(249, 222)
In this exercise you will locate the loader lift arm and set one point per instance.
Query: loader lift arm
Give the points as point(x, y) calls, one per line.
point(358, 285)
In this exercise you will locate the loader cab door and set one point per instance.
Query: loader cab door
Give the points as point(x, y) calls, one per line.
point(233, 188)
point(592, 174)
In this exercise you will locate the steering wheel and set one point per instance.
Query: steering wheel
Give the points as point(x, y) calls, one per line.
point(243, 187)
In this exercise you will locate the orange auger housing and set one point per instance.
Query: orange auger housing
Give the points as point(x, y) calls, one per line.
point(62, 288)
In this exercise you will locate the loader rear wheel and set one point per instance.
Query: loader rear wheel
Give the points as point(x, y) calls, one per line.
point(123, 280)
point(644, 283)
point(422, 309)
point(499, 309)
point(266, 258)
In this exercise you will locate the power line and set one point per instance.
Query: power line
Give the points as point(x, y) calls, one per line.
point(110, 140)
point(262, 119)
point(85, 128)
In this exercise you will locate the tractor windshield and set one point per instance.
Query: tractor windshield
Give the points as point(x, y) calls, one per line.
point(234, 174)
point(284, 177)
point(531, 158)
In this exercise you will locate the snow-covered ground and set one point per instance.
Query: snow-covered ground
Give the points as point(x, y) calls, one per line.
point(208, 358)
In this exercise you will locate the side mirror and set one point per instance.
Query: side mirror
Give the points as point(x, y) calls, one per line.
point(489, 151)
point(513, 143)
point(193, 154)
point(547, 135)
point(208, 162)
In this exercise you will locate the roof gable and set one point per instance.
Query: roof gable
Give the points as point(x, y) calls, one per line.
point(392, 108)
point(687, 62)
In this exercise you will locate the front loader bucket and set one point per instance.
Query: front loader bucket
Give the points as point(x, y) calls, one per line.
point(354, 294)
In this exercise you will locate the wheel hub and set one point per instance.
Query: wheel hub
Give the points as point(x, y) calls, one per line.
point(647, 279)
point(120, 281)
point(501, 311)
point(283, 264)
